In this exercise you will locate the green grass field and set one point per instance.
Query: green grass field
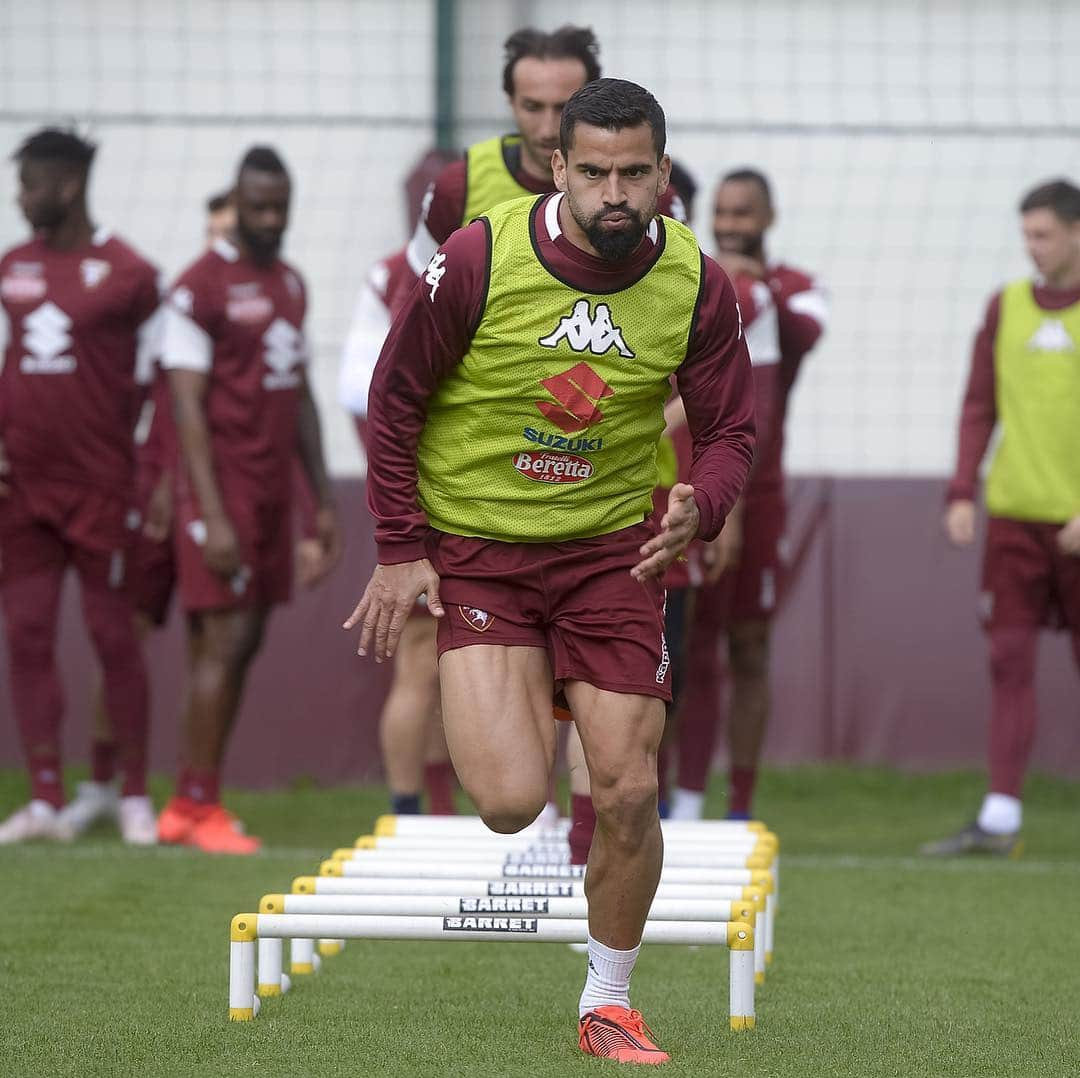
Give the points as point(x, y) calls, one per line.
point(114, 961)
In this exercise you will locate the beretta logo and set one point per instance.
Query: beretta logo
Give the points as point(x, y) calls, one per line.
point(553, 467)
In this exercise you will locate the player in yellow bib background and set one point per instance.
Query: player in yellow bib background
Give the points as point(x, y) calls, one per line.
point(1025, 385)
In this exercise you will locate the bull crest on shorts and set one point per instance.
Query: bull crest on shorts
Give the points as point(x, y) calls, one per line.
point(478, 619)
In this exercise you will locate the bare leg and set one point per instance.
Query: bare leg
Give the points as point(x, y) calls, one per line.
point(620, 734)
point(749, 644)
point(496, 703)
point(222, 645)
point(407, 713)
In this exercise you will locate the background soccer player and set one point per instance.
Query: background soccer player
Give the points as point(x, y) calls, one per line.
point(1025, 383)
point(744, 601)
point(235, 351)
point(77, 333)
point(152, 567)
point(410, 725)
point(514, 456)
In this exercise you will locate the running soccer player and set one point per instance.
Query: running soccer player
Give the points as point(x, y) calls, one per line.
point(1025, 383)
point(410, 727)
point(515, 414)
point(791, 313)
point(77, 335)
point(235, 352)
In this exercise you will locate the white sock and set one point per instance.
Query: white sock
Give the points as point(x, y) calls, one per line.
point(686, 804)
point(607, 983)
point(1001, 814)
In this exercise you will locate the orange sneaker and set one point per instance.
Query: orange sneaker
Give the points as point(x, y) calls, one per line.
point(177, 820)
point(219, 831)
point(619, 1034)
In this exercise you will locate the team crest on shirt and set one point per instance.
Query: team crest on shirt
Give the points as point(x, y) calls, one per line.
point(477, 619)
point(588, 331)
point(1051, 336)
point(93, 271)
point(24, 283)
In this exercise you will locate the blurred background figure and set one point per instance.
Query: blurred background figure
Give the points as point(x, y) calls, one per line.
point(1024, 384)
point(235, 351)
point(787, 311)
point(410, 726)
point(79, 310)
point(220, 217)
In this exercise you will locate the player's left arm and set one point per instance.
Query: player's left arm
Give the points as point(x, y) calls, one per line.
point(717, 389)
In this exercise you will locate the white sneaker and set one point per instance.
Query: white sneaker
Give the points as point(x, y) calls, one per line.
point(37, 820)
point(138, 821)
point(93, 801)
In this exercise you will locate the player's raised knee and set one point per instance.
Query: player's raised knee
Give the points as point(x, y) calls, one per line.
point(508, 813)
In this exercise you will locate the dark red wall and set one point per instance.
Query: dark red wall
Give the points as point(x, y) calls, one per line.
point(878, 656)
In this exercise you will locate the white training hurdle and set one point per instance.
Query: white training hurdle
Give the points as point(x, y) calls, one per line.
point(248, 930)
point(443, 878)
point(759, 894)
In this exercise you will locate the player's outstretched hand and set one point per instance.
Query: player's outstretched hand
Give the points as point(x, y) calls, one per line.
point(677, 528)
point(1068, 539)
point(960, 522)
point(388, 601)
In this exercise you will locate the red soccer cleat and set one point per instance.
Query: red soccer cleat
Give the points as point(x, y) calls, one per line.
point(176, 820)
point(619, 1034)
point(219, 831)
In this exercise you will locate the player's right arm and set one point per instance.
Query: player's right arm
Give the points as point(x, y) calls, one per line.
point(440, 215)
point(978, 416)
point(427, 339)
point(187, 354)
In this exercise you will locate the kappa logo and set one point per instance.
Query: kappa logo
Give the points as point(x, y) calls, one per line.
point(578, 393)
point(284, 345)
point(93, 271)
point(436, 269)
point(1051, 336)
point(47, 337)
point(585, 331)
point(477, 619)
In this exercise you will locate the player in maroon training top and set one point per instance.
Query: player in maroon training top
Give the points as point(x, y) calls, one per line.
point(744, 600)
point(540, 72)
point(152, 564)
point(236, 355)
point(79, 309)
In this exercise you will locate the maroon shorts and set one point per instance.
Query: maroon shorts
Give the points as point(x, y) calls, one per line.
point(1026, 580)
point(264, 531)
point(752, 590)
point(575, 599)
point(46, 526)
